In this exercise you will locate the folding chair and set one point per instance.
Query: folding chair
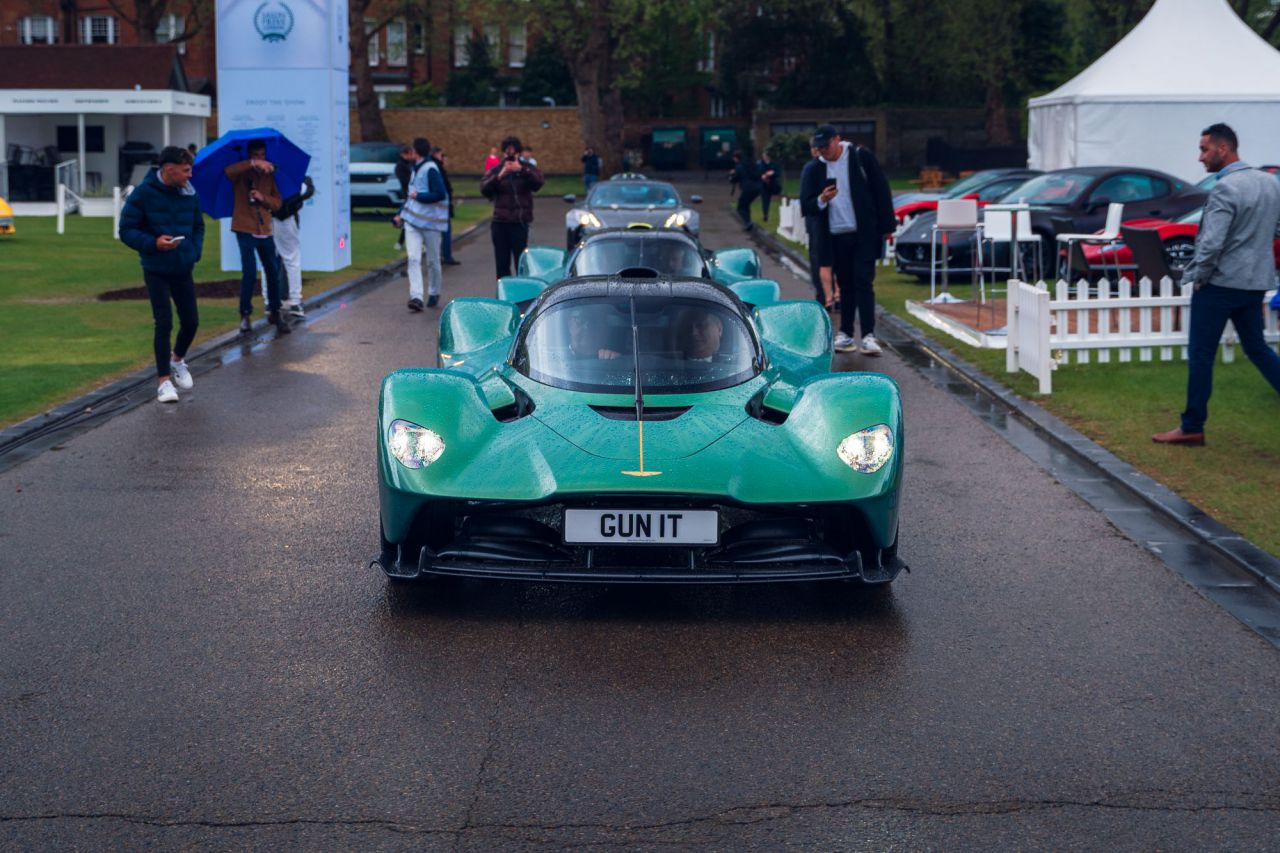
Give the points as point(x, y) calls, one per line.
point(954, 215)
point(1110, 231)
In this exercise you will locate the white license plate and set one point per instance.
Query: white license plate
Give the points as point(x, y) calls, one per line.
point(642, 526)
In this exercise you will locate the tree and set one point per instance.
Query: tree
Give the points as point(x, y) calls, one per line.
point(795, 53)
point(359, 33)
point(546, 76)
point(476, 84)
point(145, 16)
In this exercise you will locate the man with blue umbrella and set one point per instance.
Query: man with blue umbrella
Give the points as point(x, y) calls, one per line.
point(245, 174)
point(256, 198)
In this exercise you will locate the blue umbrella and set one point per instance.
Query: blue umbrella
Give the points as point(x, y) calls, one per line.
point(208, 175)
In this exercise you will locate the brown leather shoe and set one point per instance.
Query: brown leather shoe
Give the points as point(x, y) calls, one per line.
point(1177, 436)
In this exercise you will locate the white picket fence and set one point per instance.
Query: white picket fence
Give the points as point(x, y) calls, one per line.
point(1044, 329)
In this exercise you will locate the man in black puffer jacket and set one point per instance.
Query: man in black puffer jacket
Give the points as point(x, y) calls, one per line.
point(162, 222)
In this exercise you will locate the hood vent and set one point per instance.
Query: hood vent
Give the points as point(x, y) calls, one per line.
point(651, 413)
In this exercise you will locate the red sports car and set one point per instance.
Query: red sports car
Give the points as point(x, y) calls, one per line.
point(1178, 236)
point(985, 186)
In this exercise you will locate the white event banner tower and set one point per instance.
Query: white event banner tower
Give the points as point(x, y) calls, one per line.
point(284, 64)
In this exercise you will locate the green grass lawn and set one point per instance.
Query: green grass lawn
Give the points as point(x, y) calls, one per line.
point(1235, 477)
point(58, 340)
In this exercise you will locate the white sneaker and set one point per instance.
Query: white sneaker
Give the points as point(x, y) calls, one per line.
point(180, 375)
point(844, 343)
point(166, 393)
point(869, 345)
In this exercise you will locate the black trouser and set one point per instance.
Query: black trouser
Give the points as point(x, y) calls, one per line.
point(765, 197)
point(854, 264)
point(747, 193)
point(509, 240)
point(161, 287)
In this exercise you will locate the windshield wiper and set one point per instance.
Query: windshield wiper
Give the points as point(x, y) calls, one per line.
point(639, 389)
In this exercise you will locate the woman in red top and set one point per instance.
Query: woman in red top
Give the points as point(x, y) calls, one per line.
point(492, 160)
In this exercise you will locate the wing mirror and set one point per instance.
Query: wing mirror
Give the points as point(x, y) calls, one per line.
point(570, 198)
point(1098, 204)
point(695, 199)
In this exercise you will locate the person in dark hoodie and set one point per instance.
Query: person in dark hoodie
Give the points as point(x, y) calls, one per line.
point(162, 222)
point(510, 185)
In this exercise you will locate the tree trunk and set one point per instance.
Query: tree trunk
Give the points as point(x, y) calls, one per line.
point(889, 78)
point(372, 128)
point(588, 65)
point(611, 110)
point(997, 116)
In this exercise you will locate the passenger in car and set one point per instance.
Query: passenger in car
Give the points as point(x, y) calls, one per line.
point(589, 339)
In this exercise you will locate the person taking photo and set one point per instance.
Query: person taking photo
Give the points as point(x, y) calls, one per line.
point(256, 198)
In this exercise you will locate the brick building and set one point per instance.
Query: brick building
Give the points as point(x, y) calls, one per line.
point(411, 50)
point(70, 22)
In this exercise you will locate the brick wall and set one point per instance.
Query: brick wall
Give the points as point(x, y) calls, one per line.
point(467, 133)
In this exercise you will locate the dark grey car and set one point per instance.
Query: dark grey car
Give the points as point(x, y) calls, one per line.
point(629, 204)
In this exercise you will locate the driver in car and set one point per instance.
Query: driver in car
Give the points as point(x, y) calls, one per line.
point(699, 334)
point(588, 339)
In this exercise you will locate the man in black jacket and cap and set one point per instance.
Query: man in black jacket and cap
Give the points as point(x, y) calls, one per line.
point(852, 202)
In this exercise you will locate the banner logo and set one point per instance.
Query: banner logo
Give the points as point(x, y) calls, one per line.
point(273, 21)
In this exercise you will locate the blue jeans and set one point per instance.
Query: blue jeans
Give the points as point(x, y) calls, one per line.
point(1211, 307)
point(265, 249)
point(588, 180)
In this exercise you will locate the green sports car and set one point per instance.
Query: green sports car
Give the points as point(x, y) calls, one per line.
point(614, 250)
point(638, 429)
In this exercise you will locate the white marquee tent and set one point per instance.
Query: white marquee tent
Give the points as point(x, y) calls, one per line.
point(1186, 65)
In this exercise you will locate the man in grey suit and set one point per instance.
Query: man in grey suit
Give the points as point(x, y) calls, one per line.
point(1233, 267)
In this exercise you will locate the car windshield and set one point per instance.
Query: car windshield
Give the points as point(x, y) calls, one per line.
point(612, 255)
point(969, 184)
point(374, 152)
point(633, 196)
point(1053, 189)
point(686, 345)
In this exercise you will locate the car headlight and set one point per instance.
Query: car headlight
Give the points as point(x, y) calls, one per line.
point(677, 219)
point(413, 446)
point(867, 451)
point(589, 219)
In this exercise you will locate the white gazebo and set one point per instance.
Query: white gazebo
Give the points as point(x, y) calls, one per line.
point(1186, 65)
point(84, 103)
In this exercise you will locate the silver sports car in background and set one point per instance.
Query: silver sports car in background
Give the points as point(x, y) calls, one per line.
point(629, 204)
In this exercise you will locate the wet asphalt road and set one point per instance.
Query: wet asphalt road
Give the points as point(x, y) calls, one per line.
point(195, 655)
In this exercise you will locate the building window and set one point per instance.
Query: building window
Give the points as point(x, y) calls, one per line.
point(419, 39)
point(517, 38)
point(371, 30)
point(493, 41)
point(38, 29)
point(461, 36)
point(172, 27)
point(708, 61)
point(98, 29)
point(397, 48)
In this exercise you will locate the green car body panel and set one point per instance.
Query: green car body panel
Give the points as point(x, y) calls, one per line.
point(769, 442)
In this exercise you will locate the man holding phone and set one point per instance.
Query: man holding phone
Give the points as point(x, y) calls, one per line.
point(162, 222)
point(856, 214)
point(510, 185)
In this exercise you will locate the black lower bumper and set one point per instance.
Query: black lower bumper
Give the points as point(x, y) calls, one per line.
point(798, 544)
